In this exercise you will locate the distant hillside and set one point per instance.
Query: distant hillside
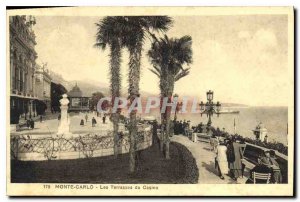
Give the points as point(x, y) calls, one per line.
point(87, 88)
point(233, 105)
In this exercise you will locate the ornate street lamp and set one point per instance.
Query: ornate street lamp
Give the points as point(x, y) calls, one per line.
point(210, 95)
point(210, 108)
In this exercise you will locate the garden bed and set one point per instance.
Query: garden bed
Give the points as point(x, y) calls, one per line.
point(153, 168)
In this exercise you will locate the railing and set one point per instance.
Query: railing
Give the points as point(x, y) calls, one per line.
point(251, 154)
point(27, 148)
point(202, 137)
point(276, 146)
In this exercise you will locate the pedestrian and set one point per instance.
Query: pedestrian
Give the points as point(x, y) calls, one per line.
point(234, 157)
point(94, 122)
point(221, 159)
point(41, 118)
point(103, 119)
point(277, 177)
point(180, 128)
point(176, 127)
point(184, 127)
point(171, 128)
point(199, 127)
point(28, 123)
point(86, 118)
point(214, 143)
point(82, 122)
point(31, 123)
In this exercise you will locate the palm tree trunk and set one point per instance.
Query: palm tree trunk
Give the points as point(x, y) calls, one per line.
point(115, 120)
point(115, 85)
point(163, 91)
point(171, 83)
point(162, 131)
point(134, 81)
point(167, 136)
point(132, 138)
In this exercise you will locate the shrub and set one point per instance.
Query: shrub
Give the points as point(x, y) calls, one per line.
point(191, 172)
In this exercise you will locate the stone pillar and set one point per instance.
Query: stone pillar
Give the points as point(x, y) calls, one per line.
point(34, 109)
point(31, 108)
point(64, 125)
point(195, 137)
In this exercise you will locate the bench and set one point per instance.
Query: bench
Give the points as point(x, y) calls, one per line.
point(251, 156)
point(20, 125)
point(202, 137)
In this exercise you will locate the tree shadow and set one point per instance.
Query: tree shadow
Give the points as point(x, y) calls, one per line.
point(207, 149)
point(210, 167)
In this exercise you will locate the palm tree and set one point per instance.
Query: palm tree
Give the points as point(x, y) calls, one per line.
point(168, 57)
point(111, 33)
point(139, 27)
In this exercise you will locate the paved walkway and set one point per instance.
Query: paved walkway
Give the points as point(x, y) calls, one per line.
point(48, 127)
point(205, 159)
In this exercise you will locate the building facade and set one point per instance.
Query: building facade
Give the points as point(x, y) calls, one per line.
point(22, 68)
point(261, 133)
point(78, 102)
point(43, 88)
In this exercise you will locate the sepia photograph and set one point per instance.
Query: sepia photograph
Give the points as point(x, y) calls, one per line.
point(150, 101)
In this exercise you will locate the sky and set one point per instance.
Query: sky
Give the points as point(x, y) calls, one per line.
point(243, 59)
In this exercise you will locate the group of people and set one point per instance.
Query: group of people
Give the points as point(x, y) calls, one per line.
point(94, 122)
point(198, 128)
point(30, 123)
point(181, 127)
point(267, 164)
point(229, 156)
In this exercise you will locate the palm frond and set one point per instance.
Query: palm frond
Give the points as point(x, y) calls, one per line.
point(158, 23)
point(182, 74)
point(155, 72)
point(100, 45)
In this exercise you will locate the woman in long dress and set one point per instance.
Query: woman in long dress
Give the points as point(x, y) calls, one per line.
point(222, 159)
point(234, 155)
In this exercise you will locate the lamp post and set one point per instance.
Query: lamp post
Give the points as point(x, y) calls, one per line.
point(209, 108)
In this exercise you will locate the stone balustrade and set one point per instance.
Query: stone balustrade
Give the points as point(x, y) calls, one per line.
point(39, 148)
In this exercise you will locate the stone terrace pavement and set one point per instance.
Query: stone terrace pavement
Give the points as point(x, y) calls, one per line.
point(205, 159)
point(49, 127)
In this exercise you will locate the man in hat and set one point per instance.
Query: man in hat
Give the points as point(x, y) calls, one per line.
point(260, 168)
point(266, 160)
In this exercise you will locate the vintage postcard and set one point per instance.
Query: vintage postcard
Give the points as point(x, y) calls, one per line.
point(150, 101)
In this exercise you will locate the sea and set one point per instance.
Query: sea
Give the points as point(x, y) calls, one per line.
point(275, 120)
